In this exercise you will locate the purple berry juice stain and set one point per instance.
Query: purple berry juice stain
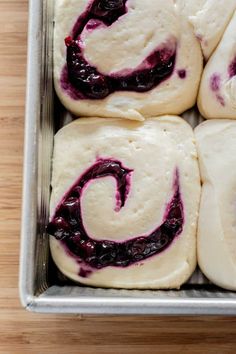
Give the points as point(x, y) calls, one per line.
point(199, 37)
point(67, 224)
point(232, 68)
point(215, 81)
point(215, 84)
point(221, 100)
point(83, 81)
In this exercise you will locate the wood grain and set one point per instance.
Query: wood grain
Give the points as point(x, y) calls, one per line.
point(25, 333)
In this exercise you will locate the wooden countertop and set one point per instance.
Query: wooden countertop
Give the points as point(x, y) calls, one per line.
point(26, 333)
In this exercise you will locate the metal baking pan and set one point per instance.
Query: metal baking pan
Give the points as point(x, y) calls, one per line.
point(42, 287)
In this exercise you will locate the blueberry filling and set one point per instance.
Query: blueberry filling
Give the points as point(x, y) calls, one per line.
point(82, 80)
point(232, 68)
point(107, 11)
point(67, 225)
point(182, 74)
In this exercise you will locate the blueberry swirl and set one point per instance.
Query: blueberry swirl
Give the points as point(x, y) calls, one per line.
point(83, 81)
point(67, 224)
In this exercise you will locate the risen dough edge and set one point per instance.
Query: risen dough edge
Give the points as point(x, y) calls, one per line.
point(216, 143)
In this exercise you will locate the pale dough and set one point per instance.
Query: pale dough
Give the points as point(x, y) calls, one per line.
point(153, 149)
point(216, 143)
point(209, 19)
point(124, 45)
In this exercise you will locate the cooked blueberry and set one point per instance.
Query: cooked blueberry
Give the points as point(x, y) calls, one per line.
point(111, 4)
point(144, 80)
point(160, 71)
point(98, 11)
point(107, 246)
point(170, 225)
point(97, 88)
point(68, 41)
point(155, 245)
point(74, 243)
point(123, 263)
point(123, 84)
point(77, 191)
point(147, 251)
point(175, 211)
point(182, 74)
point(89, 248)
point(107, 10)
point(77, 236)
point(59, 228)
point(138, 246)
point(71, 206)
point(106, 259)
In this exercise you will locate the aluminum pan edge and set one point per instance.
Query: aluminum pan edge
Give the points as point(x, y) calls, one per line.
point(32, 112)
point(126, 306)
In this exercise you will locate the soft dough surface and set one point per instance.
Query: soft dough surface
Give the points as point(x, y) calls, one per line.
point(124, 46)
point(153, 150)
point(209, 19)
point(216, 142)
point(217, 96)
